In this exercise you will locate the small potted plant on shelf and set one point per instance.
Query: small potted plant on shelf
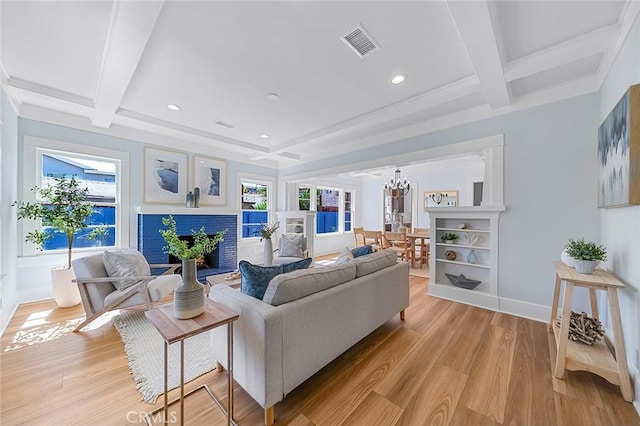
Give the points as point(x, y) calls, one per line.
point(188, 300)
point(449, 238)
point(586, 255)
point(62, 207)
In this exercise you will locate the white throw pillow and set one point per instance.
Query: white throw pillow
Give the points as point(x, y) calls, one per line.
point(291, 247)
point(125, 263)
point(344, 256)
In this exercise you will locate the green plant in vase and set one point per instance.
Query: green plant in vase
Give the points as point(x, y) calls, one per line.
point(188, 300)
point(586, 254)
point(449, 238)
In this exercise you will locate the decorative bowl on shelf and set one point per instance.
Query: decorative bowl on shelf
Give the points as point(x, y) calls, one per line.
point(462, 281)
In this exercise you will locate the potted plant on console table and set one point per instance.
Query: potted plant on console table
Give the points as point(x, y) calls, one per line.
point(188, 299)
point(585, 255)
point(64, 207)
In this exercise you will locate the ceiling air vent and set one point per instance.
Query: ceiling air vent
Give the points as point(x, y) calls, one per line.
point(223, 124)
point(360, 41)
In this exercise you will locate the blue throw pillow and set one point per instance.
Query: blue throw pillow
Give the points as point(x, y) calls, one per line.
point(361, 251)
point(255, 279)
point(300, 264)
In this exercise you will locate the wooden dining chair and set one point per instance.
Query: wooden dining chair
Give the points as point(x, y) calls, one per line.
point(424, 247)
point(374, 238)
point(398, 241)
point(358, 234)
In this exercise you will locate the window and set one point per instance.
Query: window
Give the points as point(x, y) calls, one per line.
point(104, 172)
point(255, 207)
point(96, 174)
point(347, 211)
point(328, 202)
point(304, 198)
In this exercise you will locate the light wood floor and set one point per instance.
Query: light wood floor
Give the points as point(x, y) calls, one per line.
point(448, 363)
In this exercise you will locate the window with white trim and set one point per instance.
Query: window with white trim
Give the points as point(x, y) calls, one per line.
point(334, 207)
point(99, 176)
point(104, 172)
point(256, 206)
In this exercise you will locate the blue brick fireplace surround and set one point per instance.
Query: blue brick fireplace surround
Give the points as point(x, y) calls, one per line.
point(150, 242)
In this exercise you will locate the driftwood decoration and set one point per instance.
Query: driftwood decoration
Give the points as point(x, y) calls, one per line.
point(583, 328)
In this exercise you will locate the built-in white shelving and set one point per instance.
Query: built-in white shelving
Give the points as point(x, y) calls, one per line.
point(296, 222)
point(477, 230)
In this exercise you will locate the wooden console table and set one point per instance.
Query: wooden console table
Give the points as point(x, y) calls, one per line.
point(176, 330)
point(597, 358)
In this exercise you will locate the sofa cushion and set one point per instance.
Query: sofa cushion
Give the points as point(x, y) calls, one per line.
point(255, 279)
point(125, 263)
point(361, 251)
point(294, 266)
point(344, 256)
point(373, 262)
point(297, 284)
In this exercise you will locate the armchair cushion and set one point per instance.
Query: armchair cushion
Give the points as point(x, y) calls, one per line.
point(125, 263)
point(158, 288)
point(291, 247)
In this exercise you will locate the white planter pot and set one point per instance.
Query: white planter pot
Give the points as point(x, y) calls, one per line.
point(65, 291)
point(585, 266)
point(567, 260)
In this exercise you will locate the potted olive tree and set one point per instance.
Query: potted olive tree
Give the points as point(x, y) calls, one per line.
point(585, 255)
point(65, 207)
point(188, 299)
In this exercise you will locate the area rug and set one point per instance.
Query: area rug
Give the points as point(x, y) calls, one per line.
point(144, 347)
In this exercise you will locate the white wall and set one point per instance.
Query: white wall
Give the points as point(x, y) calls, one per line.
point(8, 194)
point(620, 227)
point(550, 178)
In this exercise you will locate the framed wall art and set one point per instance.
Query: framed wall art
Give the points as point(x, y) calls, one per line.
point(619, 153)
point(165, 176)
point(210, 175)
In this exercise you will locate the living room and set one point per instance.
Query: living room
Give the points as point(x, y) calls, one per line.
point(536, 132)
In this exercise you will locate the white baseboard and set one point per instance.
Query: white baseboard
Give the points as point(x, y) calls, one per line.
point(527, 310)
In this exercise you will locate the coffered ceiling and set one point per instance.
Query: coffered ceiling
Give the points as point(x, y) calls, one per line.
point(116, 65)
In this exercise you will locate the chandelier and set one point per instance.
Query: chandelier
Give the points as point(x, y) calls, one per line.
point(397, 186)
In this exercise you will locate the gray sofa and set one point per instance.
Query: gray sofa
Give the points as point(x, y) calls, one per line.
point(314, 315)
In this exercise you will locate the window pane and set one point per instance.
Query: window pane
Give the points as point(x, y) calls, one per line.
point(347, 211)
point(99, 177)
point(255, 202)
point(304, 198)
point(327, 217)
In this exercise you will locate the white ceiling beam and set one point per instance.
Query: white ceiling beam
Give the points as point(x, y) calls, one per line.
point(449, 92)
point(581, 47)
point(628, 17)
point(478, 34)
point(129, 30)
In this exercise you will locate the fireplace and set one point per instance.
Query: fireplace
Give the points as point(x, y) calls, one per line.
point(223, 260)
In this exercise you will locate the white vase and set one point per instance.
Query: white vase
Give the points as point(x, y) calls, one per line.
point(566, 259)
point(188, 299)
point(65, 291)
point(267, 257)
point(585, 266)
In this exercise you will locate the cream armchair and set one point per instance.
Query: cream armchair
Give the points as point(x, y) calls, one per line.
point(100, 292)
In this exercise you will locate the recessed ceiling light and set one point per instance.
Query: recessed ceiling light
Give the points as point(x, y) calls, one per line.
point(173, 107)
point(264, 136)
point(399, 78)
point(273, 96)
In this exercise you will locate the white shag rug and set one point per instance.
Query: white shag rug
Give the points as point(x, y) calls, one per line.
point(145, 351)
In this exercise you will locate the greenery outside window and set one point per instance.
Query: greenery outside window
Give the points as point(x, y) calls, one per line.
point(328, 202)
point(304, 198)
